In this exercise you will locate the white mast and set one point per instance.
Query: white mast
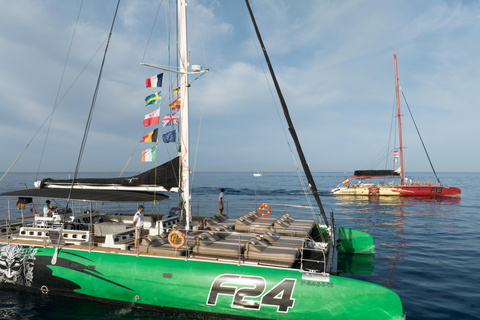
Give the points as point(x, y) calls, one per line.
point(184, 135)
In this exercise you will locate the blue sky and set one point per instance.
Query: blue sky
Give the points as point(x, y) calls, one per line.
point(333, 60)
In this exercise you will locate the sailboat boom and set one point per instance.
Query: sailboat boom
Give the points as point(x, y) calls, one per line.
point(174, 71)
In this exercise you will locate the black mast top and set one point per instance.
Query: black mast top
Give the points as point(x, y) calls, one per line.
point(306, 169)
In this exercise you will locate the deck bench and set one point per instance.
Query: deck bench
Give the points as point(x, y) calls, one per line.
point(209, 244)
point(261, 252)
point(158, 244)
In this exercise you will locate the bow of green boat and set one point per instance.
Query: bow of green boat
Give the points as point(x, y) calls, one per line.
point(354, 241)
point(237, 290)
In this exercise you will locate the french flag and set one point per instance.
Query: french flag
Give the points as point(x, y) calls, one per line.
point(156, 81)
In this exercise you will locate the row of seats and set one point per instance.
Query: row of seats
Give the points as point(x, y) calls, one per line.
point(251, 238)
point(251, 222)
point(286, 225)
point(222, 243)
point(158, 244)
point(268, 248)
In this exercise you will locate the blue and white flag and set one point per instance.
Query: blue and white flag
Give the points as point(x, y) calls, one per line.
point(153, 98)
point(169, 137)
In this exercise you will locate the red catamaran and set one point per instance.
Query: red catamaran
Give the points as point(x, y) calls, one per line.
point(365, 181)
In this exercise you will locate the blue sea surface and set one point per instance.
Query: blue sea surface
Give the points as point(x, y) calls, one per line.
point(426, 249)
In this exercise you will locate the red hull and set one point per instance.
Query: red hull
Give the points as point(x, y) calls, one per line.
point(428, 191)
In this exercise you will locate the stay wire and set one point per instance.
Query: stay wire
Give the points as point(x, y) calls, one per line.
point(51, 112)
point(143, 59)
point(302, 182)
point(92, 108)
point(379, 158)
point(203, 98)
point(159, 128)
point(391, 129)
point(388, 150)
point(58, 91)
point(419, 135)
point(297, 168)
point(201, 38)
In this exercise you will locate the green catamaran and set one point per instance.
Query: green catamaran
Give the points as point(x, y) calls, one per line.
point(256, 266)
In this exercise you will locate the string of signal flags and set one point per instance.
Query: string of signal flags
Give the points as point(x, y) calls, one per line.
point(153, 118)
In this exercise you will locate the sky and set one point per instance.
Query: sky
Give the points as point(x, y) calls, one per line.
point(333, 60)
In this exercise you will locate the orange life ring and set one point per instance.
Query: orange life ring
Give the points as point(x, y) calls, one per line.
point(430, 183)
point(173, 237)
point(261, 212)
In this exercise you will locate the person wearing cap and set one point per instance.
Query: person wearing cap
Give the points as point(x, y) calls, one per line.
point(47, 210)
point(138, 224)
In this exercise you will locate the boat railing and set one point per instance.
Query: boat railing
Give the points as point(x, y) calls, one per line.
point(9, 227)
point(312, 256)
point(332, 247)
point(236, 209)
point(199, 208)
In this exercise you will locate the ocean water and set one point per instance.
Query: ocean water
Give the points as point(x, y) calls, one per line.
point(426, 249)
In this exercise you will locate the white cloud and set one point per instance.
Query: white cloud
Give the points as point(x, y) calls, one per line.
point(334, 63)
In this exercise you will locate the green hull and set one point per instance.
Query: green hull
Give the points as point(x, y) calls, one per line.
point(205, 286)
point(355, 241)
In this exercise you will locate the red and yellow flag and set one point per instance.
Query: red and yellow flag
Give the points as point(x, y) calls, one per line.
point(176, 104)
point(151, 137)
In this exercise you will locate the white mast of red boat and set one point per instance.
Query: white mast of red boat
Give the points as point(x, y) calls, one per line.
point(399, 120)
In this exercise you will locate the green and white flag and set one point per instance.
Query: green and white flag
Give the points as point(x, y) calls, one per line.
point(149, 155)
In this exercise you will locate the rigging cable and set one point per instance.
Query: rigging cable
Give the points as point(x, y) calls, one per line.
point(143, 58)
point(158, 125)
point(58, 91)
point(203, 99)
point(51, 112)
point(391, 129)
point(159, 128)
point(92, 107)
point(291, 129)
point(297, 168)
point(424, 148)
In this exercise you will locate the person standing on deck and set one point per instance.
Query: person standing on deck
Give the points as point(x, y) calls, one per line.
point(138, 224)
point(220, 201)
